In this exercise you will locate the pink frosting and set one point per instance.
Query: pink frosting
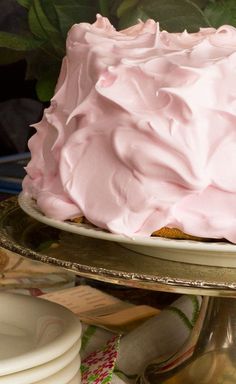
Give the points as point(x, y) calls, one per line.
point(141, 131)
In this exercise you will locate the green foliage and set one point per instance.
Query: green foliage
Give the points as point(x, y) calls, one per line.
point(18, 43)
point(221, 12)
point(25, 3)
point(42, 41)
point(48, 23)
point(173, 15)
point(104, 7)
point(45, 85)
point(9, 56)
point(126, 6)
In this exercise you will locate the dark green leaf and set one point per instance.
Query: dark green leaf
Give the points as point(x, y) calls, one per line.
point(9, 56)
point(48, 7)
point(174, 16)
point(50, 20)
point(40, 19)
point(74, 11)
point(45, 68)
point(25, 3)
point(222, 12)
point(43, 28)
point(40, 61)
point(114, 5)
point(35, 23)
point(45, 86)
point(17, 42)
point(104, 9)
point(201, 3)
point(126, 6)
point(131, 18)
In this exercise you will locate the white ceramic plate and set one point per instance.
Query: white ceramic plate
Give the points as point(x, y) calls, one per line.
point(33, 331)
point(65, 375)
point(40, 372)
point(188, 251)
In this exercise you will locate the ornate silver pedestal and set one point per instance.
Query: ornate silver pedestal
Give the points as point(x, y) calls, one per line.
point(209, 356)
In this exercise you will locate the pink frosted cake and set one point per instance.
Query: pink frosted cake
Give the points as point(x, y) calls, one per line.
point(141, 132)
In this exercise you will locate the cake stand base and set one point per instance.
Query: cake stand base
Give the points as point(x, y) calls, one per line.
point(209, 356)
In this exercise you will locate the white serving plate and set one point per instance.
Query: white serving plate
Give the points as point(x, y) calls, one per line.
point(221, 254)
point(33, 332)
point(43, 371)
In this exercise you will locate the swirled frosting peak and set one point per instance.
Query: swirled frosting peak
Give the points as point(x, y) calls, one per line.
point(141, 131)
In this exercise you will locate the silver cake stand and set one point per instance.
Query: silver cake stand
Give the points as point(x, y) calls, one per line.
point(209, 356)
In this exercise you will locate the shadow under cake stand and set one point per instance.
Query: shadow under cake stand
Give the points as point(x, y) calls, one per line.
point(209, 356)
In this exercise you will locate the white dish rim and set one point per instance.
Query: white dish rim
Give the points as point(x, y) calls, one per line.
point(44, 371)
point(72, 371)
point(28, 205)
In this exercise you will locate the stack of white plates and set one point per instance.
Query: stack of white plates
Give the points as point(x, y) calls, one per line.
point(39, 342)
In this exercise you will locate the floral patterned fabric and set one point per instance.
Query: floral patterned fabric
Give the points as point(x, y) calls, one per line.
point(109, 358)
point(98, 367)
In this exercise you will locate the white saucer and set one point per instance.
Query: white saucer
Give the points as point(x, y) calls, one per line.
point(33, 331)
point(66, 375)
point(188, 251)
point(41, 372)
point(76, 379)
